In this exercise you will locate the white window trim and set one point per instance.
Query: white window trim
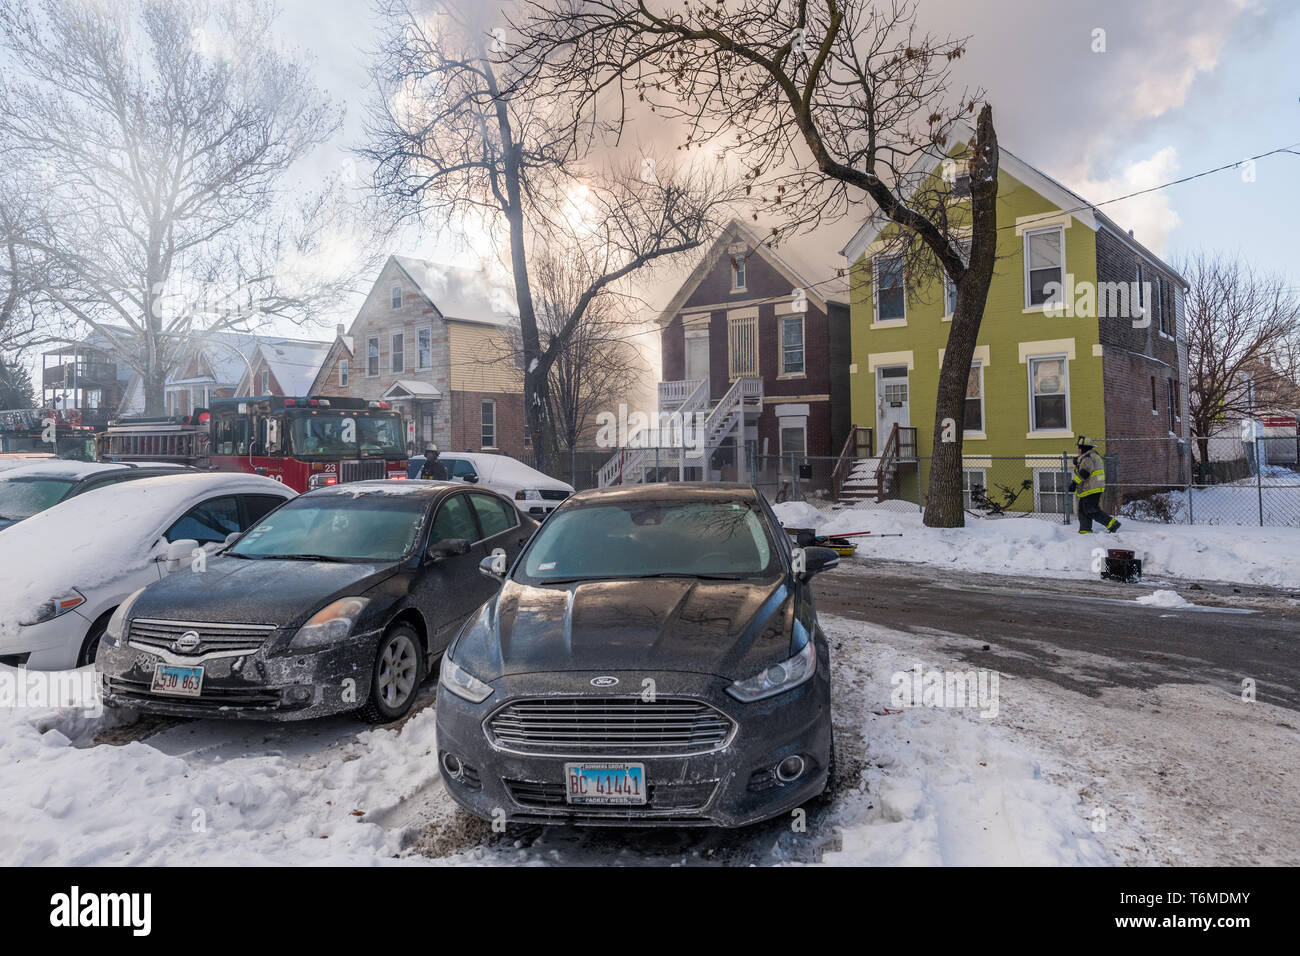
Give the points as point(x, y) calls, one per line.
point(781, 319)
point(392, 352)
point(984, 480)
point(1035, 432)
point(747, 314)
point(266, 381)
point(396, 287)
point(876, 321)
point(418, 366)
point(790, 422)
point(982, 432)
point(482, 420)
point(345, 373)
point(947, 315)
point(1038, 506)
point(1024, 254)
point(379, 357)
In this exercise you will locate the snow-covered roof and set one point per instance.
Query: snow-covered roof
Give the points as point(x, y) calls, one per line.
point(410, 388)
point(294, 363)
point(470, 295)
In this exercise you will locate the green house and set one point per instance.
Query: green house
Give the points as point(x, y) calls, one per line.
point(1081, 335)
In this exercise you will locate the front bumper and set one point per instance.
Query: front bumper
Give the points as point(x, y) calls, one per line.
point(263, 684)
point(51, 645)
point(729, 787)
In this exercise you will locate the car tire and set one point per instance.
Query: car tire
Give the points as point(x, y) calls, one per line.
point(398, 674)
point(90, 646)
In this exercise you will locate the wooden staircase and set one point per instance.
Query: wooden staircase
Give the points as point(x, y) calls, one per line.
point(870, 477)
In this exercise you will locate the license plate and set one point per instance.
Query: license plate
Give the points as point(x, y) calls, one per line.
point(182, 681)
point(605, 783)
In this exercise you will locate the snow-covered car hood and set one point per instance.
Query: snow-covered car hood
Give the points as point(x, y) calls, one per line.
point(727, 628)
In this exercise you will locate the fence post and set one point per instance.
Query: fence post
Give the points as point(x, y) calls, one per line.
point(1191, 514)
point(1065, 484)
point(919, 497)
point(1259, 484)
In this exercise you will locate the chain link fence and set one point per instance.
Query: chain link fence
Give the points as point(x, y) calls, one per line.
point(1152, 480)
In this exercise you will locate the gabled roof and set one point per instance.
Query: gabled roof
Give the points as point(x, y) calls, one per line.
point(1054, 192)
point(467, 295)
point(294, 363)
point(737, 231)
point(410, 388)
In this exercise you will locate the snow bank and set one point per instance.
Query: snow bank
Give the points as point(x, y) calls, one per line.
point(1036, 547)
point(136, 804)
point(1164, 599)
point(943, 787)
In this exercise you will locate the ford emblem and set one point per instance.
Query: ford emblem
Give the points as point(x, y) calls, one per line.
point(604, 681)
point(187, 641)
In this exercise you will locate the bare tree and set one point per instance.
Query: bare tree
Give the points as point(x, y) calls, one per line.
point(162, 132)
point(828, 104)
point(595, 364)
point(1243, 330)
point(458, 136)
point(23, 272)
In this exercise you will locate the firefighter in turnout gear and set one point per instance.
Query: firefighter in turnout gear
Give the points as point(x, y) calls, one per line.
point(433, 469)
point(1090, 480)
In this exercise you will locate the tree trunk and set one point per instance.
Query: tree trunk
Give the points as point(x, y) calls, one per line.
point(943, 505)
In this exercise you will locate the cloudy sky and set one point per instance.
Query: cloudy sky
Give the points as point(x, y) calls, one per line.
point(1181, 86)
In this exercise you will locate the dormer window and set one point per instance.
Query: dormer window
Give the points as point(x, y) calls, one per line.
point(737, 273)
point(397, 296)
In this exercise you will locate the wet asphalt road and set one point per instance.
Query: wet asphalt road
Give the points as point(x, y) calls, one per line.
point(1083, 635)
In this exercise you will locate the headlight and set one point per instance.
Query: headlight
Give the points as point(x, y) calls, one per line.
point(461, 682)
point(331, 623)
point(778, 678)
point(116, 629)
point(528, 494)
point(55, 607)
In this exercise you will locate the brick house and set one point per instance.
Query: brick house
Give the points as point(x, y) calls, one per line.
point(754, 346)
point(1082, 334)
point(437, 342)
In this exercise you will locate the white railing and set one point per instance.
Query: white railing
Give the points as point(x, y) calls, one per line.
point(678, 393)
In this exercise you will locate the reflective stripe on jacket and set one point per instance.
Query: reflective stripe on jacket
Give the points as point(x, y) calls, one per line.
point(1090, 474)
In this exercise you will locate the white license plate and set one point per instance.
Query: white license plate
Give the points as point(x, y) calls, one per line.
point(605, 783)
point(181, 681)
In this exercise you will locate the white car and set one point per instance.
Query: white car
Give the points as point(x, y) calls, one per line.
point(533, 493)
point(67, 569)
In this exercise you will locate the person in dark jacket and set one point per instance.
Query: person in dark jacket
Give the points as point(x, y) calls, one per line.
point(1090, 480)
point(433, 469)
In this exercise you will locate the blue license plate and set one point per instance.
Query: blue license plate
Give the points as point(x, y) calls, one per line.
point(182, 681)
point(605, 783)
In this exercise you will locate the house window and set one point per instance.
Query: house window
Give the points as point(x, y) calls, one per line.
point(974, 411)
point(424, 349)
point(1173, 402)
point(1044, 264)
point(1165, 306)
point(1051, 491)
point(1140, 278)
point(1154, 407)
point(742, 341)
point(973, 485)
point(489, 434)
point(1049, 390)
point(890, 294)
point(794, 437)
point(961, 186)
point(397, 296)
point(343, 373)
point(372, 357)
point(266, 382)
point(792, 358)
point(738, 273)
point(398, 359)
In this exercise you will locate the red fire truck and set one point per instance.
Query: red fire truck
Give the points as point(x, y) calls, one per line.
point(304, 442)
point(27, 432)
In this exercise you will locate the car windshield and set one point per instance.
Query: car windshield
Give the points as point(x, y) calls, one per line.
point(723, 539)
point(366, 527)
point(325, 433)
point(22, 497)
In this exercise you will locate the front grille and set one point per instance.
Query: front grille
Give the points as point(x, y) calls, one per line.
point(663, 796)
point(365, 470)
point(550, 495)
point(213, 697)
point(214, 638)
point(609, 726)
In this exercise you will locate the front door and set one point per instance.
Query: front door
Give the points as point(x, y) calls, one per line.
point(697, 356)
point(891, 401)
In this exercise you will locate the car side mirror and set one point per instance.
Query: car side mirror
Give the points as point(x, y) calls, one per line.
point(448, 548)
point(495, 565)
point(805, 562)
point(470, 479)
point(179, 553)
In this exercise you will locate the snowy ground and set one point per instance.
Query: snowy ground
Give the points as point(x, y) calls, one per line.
point(923, 785)
point(1033, 546)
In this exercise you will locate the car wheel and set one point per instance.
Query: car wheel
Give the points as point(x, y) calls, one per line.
point(86, 655)
point(398, 673)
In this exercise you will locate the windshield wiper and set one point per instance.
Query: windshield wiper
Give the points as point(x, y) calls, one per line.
point(304, 557)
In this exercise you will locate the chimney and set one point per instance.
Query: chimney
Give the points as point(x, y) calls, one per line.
point(340, 330)
point(1130, 233)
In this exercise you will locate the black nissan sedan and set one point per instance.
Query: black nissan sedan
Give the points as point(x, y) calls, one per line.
point(653, 658)
point(338, 601)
